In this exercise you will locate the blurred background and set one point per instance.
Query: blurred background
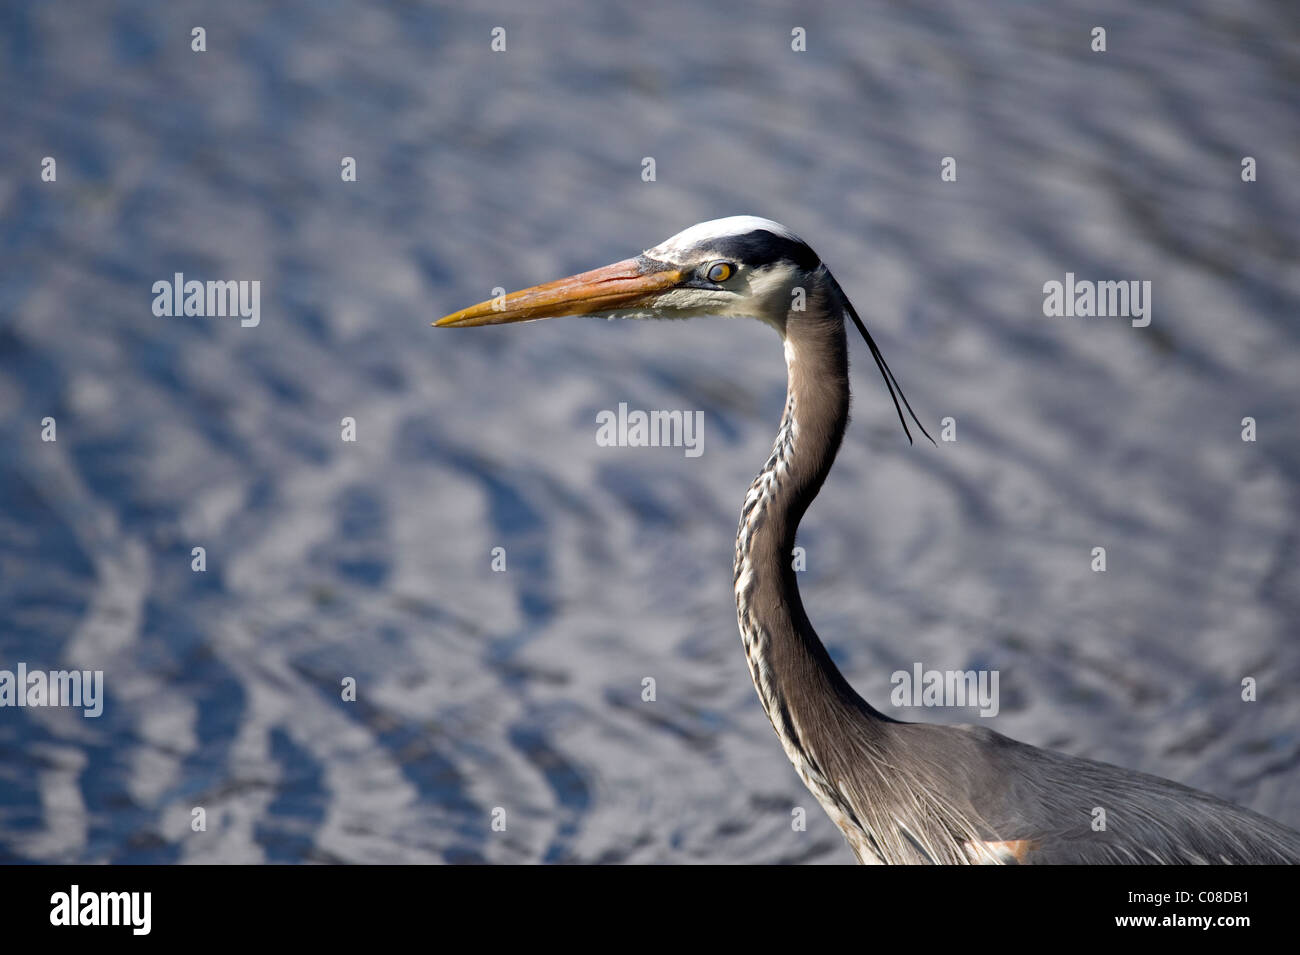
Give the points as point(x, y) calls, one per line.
point(475, 169)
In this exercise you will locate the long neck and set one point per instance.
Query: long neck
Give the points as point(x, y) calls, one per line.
point(799, 685)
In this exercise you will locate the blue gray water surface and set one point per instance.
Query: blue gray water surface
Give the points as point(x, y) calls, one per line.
point(522, 690)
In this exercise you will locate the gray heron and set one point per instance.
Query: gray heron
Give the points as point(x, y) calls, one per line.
point(900, 792)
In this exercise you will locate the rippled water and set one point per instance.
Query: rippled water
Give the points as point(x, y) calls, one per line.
point(522, 690)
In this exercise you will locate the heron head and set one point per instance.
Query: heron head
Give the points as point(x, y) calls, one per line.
point(741, 266)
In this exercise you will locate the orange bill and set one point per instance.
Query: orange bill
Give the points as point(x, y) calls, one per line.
point(625, 284)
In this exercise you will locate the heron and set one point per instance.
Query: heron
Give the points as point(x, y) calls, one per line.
point(900, 792)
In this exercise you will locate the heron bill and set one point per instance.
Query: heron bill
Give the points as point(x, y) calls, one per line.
point(623, 284)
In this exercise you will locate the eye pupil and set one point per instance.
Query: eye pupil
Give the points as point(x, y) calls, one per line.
point(719, 272)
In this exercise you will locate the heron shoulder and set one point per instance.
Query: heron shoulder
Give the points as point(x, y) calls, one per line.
point(1059, 808)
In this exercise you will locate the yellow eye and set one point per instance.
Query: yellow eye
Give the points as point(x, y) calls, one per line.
point(720, 271)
